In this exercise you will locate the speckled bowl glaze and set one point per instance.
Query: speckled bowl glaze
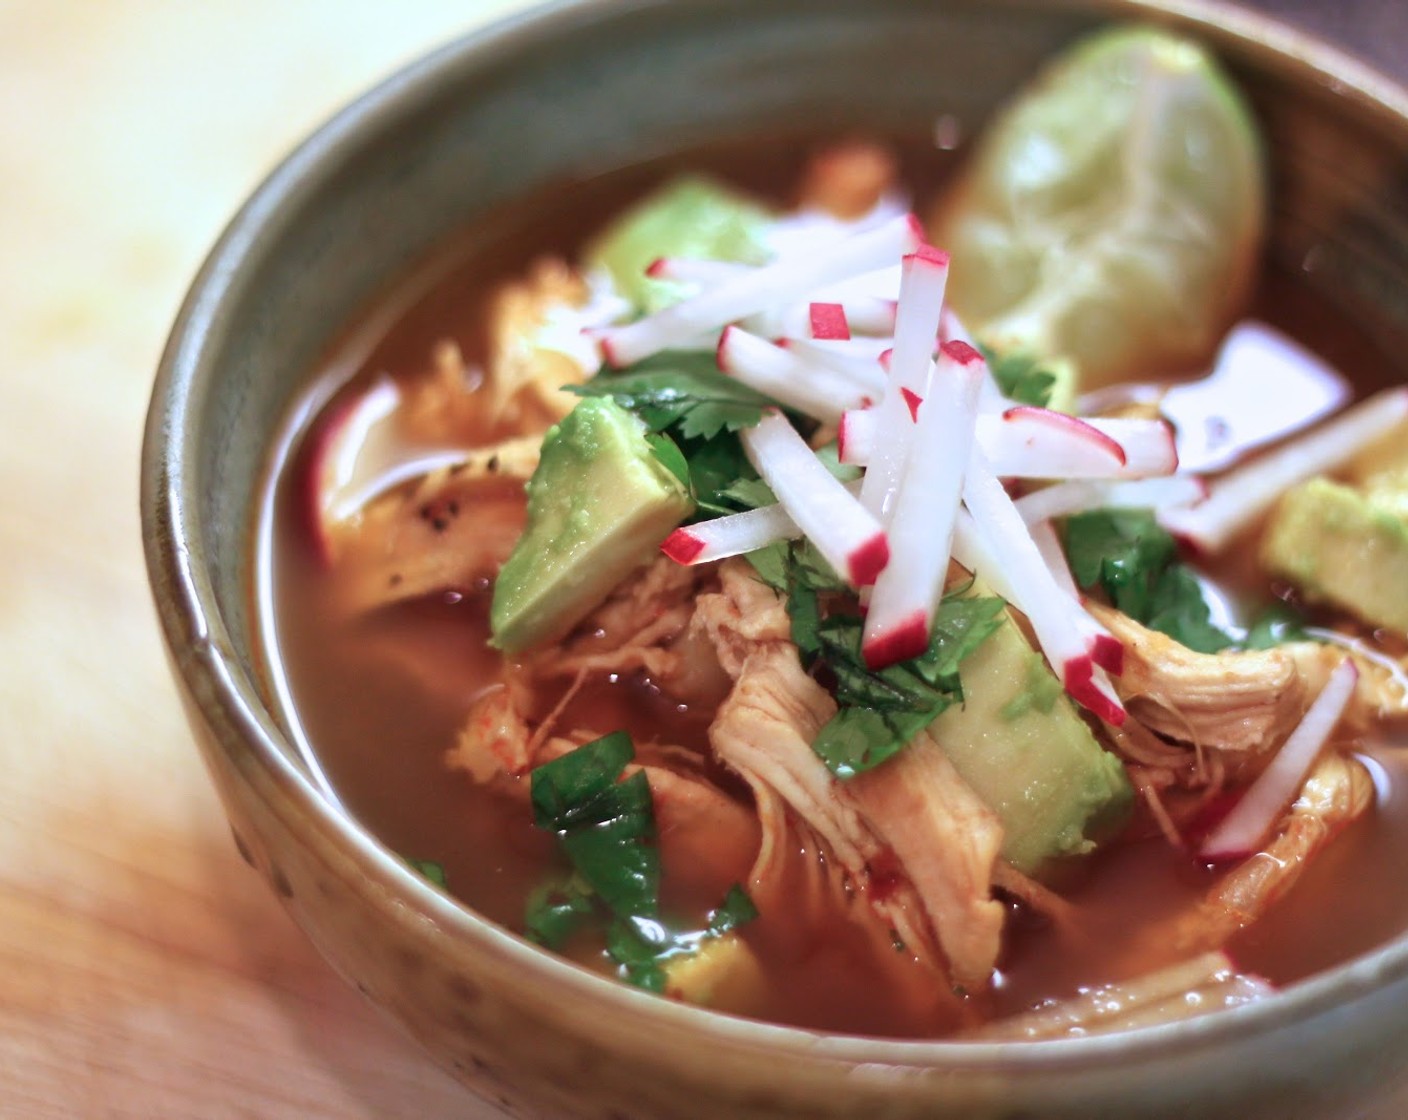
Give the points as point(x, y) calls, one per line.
point(586, 87)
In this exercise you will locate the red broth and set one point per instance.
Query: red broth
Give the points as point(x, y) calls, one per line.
point(381, 697)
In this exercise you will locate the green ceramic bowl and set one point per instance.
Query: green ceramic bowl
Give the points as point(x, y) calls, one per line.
point(586, 87)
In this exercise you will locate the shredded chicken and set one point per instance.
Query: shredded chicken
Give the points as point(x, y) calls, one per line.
point(1184, 990)
point(636, 627)
point(1245, 701)
point(912, 834)
point(449, 533)
point(1338, 791)
point(947, 841)
point(524, 385)
point(848, 179)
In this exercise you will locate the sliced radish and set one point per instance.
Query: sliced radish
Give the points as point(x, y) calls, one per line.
point(855, 436)
point(828, 322)
point(1244, 493)
point(1242, 831)
point(852, 363)
point(1066, 498)
point(923, 278)
point(1027, 443)
point(951, 329)
point(844, 532)
point(903, 601)
point(749, 293)
point(1035, 425)
point(732, 535)
point(972, 549)
point(691, 270)
point(1065, 641)
point(815, 390)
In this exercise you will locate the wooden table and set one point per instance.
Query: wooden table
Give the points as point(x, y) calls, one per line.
point(144, 970)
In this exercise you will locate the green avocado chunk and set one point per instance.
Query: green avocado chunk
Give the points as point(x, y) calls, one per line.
point(599, 504)
point(1343, 546)
point(688, 217)
point(1018, 742)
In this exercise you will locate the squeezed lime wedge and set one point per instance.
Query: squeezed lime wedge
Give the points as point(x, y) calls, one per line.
point(1112, 215)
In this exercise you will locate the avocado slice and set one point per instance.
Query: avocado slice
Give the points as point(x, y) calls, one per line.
point(1018, 742)
point(1343, 546)
point(692, 216)
point(599, 504)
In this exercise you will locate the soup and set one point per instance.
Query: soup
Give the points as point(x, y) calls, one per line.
point(799, 891)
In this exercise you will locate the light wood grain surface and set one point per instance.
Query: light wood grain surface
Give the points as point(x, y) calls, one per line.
point(144, 970)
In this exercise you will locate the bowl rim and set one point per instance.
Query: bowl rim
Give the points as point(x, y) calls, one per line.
point(243, 725)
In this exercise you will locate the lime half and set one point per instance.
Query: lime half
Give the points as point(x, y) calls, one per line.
point(1112, 215)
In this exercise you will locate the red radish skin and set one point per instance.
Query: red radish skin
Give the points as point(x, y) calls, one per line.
point(914, 400)
point(1071, 424)
point(907, 639)
point(869, 560)
point(682, 546)
point(1078, 678)
point(1107, 651)
point(828, 322)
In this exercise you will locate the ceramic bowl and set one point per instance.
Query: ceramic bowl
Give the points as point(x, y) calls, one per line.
point(586, 87)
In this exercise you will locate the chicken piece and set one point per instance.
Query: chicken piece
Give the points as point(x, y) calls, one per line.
point(1231, 701)
point(635, 629)
point(916, 840)
point(495, 741)
point(523, 390)
point(1381, 692)
point(1209, 982)
point(849, 179)
point(449, 533)
point(1338, 791)
point(947, 841)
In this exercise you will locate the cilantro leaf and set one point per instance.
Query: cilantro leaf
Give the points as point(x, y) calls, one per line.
point(855, 740)
point(879, 712)
point(1021, 376)
point(557, 909)
point(639, 957)
point(580, 789)
point(606, 828)
point(882, 711)
point(670, 455)
point(1274, 626)
point(681, 389)
point(1125, 553)
point(736, 909)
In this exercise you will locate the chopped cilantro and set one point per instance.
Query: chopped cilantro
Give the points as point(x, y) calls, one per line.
point(557, 909)
point(879, 712)
point(1135, 562)
point(681, 389)
point(670, 455)
point(1276, 625)
point(606, 827)
point(1021, 376)
point(736, 909)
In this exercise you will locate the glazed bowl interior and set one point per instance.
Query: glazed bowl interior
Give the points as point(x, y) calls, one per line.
point(580, 90)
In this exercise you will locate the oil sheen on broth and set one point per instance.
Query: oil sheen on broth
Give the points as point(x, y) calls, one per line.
point(382, 696)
